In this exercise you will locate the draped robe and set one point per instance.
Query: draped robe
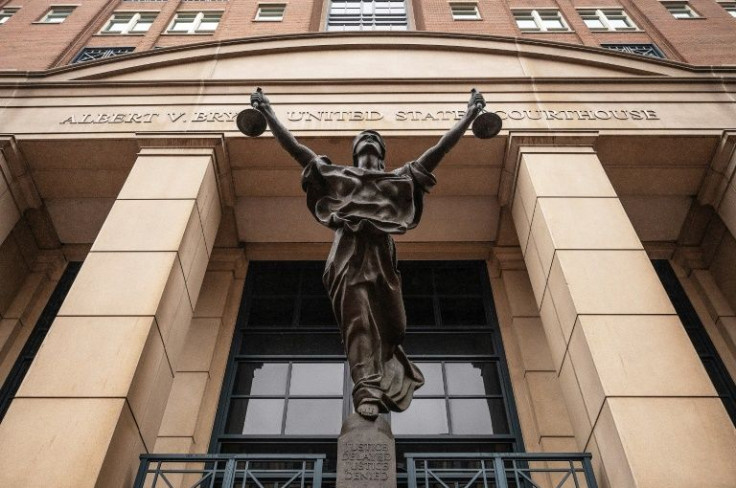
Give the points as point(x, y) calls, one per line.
point(364, 207)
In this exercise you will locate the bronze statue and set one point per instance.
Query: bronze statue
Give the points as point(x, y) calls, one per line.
point(364, 205)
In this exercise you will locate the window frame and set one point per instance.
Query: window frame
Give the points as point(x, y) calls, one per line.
point(673, 5)
point(199, 18)
point(130, 25)
point(6, 13)
point(477, 15)
point(259, 16)
point(10, 385)
point(650, 46)
point(729, 7)
point(246, 347)
point(108, 52)
point(330, 21)
point(538, 17)
point(603, 15)
point(52, 14)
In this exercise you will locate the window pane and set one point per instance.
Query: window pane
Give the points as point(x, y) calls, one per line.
point(416, 281)
point(255, 417)
point(553, 24)
point(480, 343)
point(182, 25)
point(472, 379)
point(117, 26)
point(208, 26)
point(316, 311)
point(263, 416)
point(619, 23)
point(419, 311)
point(462, 311)
point(458, 281)
point(261, 379)
point(433, 382)
point(275, 280)
point(271, 311)
point(312, 281)
point(316, 379)
point(594, 23)
point(314, 417)
point(143, 25)
point(526, 23)
point(281, 344)
point(478, 417)
point(425, 417)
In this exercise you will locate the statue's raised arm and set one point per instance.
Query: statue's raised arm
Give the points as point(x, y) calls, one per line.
point(298, 151)
point(432, 156)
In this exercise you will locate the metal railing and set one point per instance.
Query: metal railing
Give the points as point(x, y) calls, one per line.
point(424, 470)
point(494, 470)
point(229, 471)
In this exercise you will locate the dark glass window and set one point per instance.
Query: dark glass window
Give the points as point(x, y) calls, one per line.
point(288, 386)
point(649, 50)
point(95, 53)
point(23, 363)
point(701, 341)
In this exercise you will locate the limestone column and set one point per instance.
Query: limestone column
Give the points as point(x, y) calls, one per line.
point(638, 396)
point(94, 396)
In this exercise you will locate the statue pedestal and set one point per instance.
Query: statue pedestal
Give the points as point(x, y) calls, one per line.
point(366, 454)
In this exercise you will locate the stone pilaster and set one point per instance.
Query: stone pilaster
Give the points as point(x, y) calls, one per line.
point(96, 392)
point(638, 396)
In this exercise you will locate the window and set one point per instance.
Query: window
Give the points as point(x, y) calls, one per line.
point(288, 387)
point(270, 12)
point(56, 15)
point(607, 20)
point(729, 7)
point(464, 11)
point(540, 21)
point(6, 13)
point(32, 345)
point(680, 10)
point(129, 23)
point(719, 375)
point(356, 15)
point(639, 49)
point(95, 53)
point(194, 23)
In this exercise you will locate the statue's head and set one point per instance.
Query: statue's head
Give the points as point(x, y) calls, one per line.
point(368, 140)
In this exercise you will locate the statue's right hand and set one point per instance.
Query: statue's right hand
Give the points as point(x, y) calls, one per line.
point(258, 100)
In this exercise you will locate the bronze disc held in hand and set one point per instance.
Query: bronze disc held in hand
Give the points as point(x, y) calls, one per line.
point(251, 122)
point(487, 125)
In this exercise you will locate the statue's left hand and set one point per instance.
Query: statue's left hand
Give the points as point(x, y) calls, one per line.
point(259, 101)
point(477, 102)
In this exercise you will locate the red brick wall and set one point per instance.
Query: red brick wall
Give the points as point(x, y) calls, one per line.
point(27, 45)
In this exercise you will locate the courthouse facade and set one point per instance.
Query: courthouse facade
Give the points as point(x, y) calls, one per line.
point(571, 288)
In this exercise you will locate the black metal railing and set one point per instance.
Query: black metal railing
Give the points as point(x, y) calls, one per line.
point(493, 470)
point(229, 471)
point(424, 470)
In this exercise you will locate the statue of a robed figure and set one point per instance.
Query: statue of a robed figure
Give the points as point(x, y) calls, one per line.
point(365, 205)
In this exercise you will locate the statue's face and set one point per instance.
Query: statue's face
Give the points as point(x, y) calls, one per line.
point(369, 144)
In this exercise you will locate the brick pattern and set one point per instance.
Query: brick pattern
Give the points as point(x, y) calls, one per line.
point(27, 45)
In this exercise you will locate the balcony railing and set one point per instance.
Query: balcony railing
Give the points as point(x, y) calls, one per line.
point(425, 470)
point(508, 470)
point(229, 471)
